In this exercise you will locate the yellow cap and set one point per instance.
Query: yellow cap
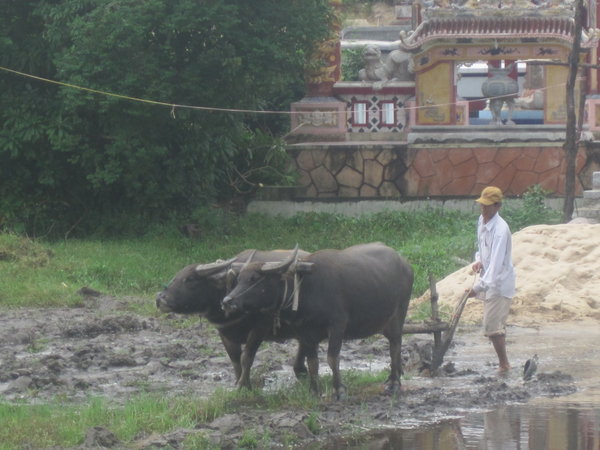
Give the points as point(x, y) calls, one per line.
point(490, 195)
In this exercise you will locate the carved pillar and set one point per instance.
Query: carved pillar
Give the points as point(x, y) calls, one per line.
point(436, 95)
point(555, 108)
point(326, 60)
point(319, 116)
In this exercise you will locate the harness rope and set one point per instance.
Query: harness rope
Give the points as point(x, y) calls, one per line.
point(251, 286)
point(287, 301)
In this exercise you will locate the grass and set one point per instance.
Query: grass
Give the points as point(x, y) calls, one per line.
point(62, 424)
point(49, 273)
point(43, 273)
point(36, 273)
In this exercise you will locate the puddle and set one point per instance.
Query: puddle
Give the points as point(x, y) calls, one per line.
point(541, 427)
point(568, 422)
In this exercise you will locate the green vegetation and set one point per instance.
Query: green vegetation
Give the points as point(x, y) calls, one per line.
point(61, 425)
point(531, 210)
point(64, 425)
point(352, 62)
point(49, 273)
point(71, 159)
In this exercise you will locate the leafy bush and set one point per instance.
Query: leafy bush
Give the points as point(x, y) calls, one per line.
point(532, 210)
point(73, 160)
point(352, 62)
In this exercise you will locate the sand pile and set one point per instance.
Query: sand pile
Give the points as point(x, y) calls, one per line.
point(558, 277)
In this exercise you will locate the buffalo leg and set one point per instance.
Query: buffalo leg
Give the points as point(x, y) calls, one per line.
point(393, 332)
point(334, 348)
point(395, 340)
point(299, 366)
point(310, 349)
point(253, 342)
point(234, 351)
point(393, 381)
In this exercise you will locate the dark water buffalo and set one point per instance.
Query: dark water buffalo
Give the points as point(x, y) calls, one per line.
point(342, 294)
point(199, 289)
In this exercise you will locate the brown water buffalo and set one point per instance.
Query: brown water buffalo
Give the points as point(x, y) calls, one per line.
point(199, 289)
point(334, 295)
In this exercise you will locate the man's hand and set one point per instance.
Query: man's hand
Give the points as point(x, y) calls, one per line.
point(476, 267)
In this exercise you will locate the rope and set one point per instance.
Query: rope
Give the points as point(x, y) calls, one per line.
point(287, 302)
point(174, 106)
point(261, 279)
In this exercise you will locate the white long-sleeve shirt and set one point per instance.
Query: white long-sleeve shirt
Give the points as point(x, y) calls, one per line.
point(494, 242)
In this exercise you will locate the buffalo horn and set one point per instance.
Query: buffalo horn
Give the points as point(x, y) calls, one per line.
point(304, 267)
point(280, 266)
point(237, 266)
point(249, 259)
point(210, 268)
point(230, 278)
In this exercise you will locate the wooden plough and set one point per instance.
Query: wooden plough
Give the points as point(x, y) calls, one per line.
point(442, 331)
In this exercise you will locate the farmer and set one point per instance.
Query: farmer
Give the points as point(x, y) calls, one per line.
point(493, 263)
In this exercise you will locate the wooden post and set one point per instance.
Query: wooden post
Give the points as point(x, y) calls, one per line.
point(435, 312)
point(571, 140)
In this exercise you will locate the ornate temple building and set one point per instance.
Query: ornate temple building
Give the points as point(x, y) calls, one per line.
point(469, 93)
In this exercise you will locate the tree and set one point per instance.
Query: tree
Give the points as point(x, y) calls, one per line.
point(78, 155)
point(571, 141)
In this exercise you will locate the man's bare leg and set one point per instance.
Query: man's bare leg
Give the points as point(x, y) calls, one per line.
point(499, 342)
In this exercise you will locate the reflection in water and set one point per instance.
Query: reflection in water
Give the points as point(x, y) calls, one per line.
point(548, 426)
point(500, 430)
point(562, 423)
point(564, 427)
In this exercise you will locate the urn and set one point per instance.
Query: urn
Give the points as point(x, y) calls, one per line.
point(499, 84)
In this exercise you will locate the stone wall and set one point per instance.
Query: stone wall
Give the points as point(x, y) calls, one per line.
point(351, 171)
point(390, 170)
point(466, 171)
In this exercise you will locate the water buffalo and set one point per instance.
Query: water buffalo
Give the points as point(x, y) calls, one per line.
point(334, 294)
point(199, 289)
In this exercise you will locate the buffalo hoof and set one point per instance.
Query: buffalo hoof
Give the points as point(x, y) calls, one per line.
point(392, 389)
point(244, 385)
point(300, 372)
point(341, 393)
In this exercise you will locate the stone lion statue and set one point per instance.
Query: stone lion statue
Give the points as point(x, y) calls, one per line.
point(396, 66)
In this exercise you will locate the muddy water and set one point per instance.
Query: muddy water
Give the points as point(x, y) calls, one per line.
point(557, 423)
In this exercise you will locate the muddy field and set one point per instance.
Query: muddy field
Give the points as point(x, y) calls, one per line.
point(101, 349)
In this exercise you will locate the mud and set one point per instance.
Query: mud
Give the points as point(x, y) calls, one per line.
point(103, 349)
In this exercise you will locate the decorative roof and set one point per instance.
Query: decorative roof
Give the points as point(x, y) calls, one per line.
point(495, 21)
point(493, 28)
